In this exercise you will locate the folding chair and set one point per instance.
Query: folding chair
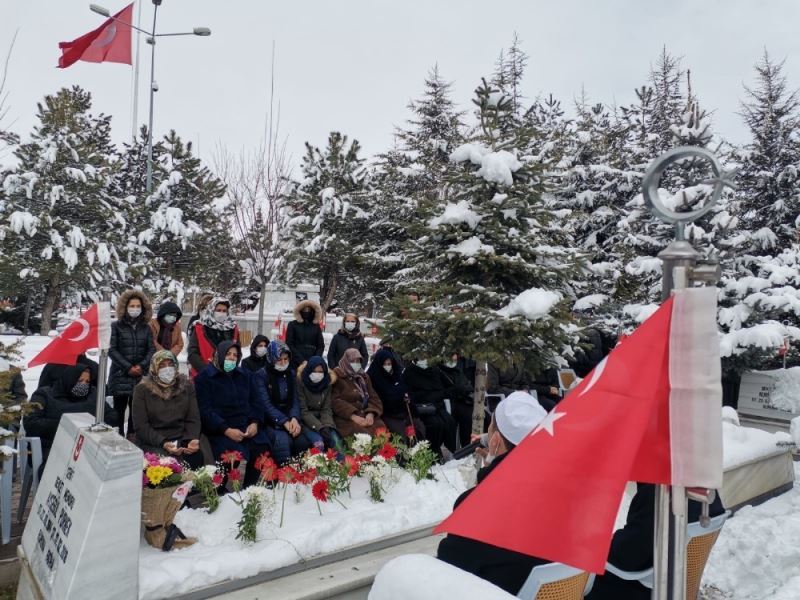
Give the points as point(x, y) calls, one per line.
point(28, 473)
point(6, 478)
point(556, 581)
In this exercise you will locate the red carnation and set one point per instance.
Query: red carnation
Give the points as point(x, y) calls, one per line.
point(307, 476)
point(287, 474)
point(352, 465)
point(314, 451)
point(235, 475)
point(387, 451)
point(320, 490)
point(264, 460)
point(330, 454)
point(363, 458)
point(217, 478)
point(411, 432)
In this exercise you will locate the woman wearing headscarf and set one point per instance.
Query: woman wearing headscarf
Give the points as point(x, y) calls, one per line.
point(165, 412)
point(214, 326)
point(258, 354)
point(356, 406)
point(385, 373)
point(130, 351)
point(314, 389)
point(72, 393)
point(428, 389)
point(349, 336)
point(231, 402)
point(202, 304)
point(289, 437)
point(166, 328)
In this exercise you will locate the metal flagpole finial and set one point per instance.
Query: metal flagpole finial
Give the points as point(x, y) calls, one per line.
point(652, 179)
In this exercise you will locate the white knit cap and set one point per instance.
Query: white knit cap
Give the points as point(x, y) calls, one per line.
point(517, 415)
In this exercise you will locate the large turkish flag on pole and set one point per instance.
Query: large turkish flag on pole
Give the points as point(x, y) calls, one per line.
point(92, 330)
point(111, 42)
point(649, 412)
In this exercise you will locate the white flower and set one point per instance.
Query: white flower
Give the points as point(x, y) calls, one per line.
point(206, 471)
point(417, 447)
point(254, 492)
point(314, 461)
point(362, 442)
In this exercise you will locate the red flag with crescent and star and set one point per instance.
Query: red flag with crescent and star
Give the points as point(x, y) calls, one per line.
point(111, 42)
point(91, 330)
point(650, 412)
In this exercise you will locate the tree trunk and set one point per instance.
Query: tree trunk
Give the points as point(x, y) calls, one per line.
point(329, 291)
point(478, 412)
point(49, 304)
point(260, 326)
point(25, 323)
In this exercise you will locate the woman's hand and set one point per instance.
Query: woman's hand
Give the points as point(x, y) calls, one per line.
point(171, 448)
point(252, 430)
point(370, 419)
point(192, 447)
point(360, 421)
point(234, 434)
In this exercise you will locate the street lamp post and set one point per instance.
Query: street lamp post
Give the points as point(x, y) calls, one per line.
point(151, 39)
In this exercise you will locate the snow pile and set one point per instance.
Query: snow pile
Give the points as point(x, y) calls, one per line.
point(401, 578)
point(471, 247)
point(741, 445)
point(786, 393)
point(455, 214)
point(764, 335)
point(589, 302)
point(756, 556)
point(639, 312)
point(474, 153)
point(218, 556)
point(497, 167)
point(532, 304)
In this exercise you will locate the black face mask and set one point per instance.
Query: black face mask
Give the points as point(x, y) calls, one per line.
point(80, 389)
point(307, 315)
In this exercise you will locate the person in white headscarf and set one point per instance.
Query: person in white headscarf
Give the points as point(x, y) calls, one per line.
point(214, 326)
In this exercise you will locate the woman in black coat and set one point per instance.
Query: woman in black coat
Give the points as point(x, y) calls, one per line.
point(461, 396)
point(258, 354)
point(428, 389)
point(130, 351)
point(387, 379)
point(72, 393)
point(349, 336)
point(304, 334)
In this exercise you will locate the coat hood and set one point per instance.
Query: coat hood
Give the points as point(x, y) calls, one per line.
point(314, 361)
point(313, 305)
point(256, 341)
point(70, 377)
point(376, 369)
point(167, 308)
point(125, 297)
point(222, 350)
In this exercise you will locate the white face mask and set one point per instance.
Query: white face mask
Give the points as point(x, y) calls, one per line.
point(356, 367)
point(316, 377)
point(166, 374)
point(170, 319)
point(261, 351)
point(387, 368)
point(282, 367)
point(220, 316)
point(451, 364)
point(134, 312)
point(422, 364)
point(349, 326)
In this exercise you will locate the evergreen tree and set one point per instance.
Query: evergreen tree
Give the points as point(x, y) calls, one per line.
point(327, 224)
point(486, 246)
point(509, 72)
point(59, 214)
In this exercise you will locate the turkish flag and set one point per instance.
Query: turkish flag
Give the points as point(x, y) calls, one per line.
point(111, 42)
point(649, 412)
point(92, 330)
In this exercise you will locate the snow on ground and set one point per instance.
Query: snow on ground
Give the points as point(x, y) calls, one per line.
point(757, 556)
point(218, 556)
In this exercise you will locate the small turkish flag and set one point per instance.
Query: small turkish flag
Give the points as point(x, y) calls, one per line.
point(649, 412)
point(111, 42)
point(92, 330)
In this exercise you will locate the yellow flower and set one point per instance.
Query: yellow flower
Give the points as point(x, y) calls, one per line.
point(157, 474)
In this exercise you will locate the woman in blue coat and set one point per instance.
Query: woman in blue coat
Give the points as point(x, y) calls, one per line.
point(231, 402)
point(289, 437)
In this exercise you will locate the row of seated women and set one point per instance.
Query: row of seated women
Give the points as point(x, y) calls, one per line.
point(261, 403)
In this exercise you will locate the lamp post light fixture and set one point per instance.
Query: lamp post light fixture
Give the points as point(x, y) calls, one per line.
point(151, 39)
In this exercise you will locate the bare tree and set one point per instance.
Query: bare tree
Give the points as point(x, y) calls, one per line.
point(6, 137)
point(255, 181)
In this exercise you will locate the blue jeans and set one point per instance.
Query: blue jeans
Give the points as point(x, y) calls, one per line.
point(285, 447)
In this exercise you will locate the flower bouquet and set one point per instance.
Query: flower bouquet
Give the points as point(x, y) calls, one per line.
point(163, 493)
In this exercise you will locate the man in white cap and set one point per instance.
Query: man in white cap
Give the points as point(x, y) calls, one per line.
point(515, 417)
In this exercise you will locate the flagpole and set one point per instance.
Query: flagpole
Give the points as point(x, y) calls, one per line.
point(102, 368)
point(152, 41)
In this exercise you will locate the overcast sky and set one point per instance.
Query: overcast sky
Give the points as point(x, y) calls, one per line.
point(353, 65)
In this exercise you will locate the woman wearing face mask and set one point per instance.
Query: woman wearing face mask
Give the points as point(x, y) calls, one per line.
point(213, 327)
point(356, 406)
point(385, 374)
point(165, 412)
point(288, 436)
point(130, 351)
point(314, 389)
point(304, 334)
point(460, 392)
point(258, 354)
point(166, 328)
point(231, 402)
point(428, 389)
point(349, 336)
point(72, 393)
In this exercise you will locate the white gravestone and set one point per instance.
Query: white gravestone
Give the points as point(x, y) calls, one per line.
point(83, 533)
